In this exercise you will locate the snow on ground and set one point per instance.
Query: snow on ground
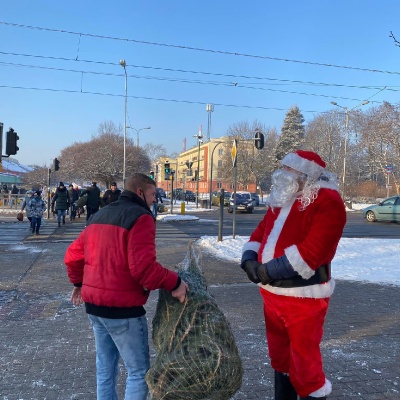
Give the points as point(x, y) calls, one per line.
point(357, 259)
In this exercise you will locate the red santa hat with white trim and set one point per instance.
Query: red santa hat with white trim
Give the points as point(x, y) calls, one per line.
point(307, 162)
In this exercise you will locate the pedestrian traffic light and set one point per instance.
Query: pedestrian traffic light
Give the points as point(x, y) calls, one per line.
point(259, 140)
point(56, 164)
point(167, 168)
point(151, 174)
point(11, 142)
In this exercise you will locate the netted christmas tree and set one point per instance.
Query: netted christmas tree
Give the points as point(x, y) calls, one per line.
point(197, 357)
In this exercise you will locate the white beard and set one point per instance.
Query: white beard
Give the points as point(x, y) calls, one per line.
point(285, 188)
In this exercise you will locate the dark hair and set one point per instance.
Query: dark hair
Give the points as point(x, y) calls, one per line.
point(138, 180)
point(113, 183)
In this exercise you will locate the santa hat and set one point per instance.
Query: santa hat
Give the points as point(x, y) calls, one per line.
point(307, 162)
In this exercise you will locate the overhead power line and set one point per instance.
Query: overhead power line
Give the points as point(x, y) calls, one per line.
point(184, 47)
point(188, 81)
point(152, 98)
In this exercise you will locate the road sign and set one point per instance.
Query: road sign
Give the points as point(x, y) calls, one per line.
point(234, 152)
point(389, 169)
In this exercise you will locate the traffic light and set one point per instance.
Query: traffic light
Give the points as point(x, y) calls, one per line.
point(167, 168)
point(11, 142)
point(151, 174)
point(56, 164)
point(259, 140)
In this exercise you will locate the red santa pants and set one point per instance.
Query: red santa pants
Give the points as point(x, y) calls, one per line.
point(294, 329)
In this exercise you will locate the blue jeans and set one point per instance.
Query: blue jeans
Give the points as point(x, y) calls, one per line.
point(155, 209)
point(35, 224)
point(127, 338)
point(60, 213)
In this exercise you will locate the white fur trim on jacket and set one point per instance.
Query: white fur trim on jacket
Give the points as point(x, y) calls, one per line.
point(297, 262)
point(319, 291)
point(255, 246)
point(269, 249)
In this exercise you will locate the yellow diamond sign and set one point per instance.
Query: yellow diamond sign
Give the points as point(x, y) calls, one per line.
point(234, 152)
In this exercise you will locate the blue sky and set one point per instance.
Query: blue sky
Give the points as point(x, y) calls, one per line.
point(58, 83)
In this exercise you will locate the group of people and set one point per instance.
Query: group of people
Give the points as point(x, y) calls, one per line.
point(113, 267)
point(9, 195)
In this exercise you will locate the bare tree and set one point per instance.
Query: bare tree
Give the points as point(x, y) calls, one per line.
point(101, 158)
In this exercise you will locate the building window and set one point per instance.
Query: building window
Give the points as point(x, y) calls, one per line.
point(220, 152)
point(219, 185)
point(219, 163)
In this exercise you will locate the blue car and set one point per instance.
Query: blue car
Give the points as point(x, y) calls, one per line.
point(386, 210)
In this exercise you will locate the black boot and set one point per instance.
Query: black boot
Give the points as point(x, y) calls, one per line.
point(283, 387)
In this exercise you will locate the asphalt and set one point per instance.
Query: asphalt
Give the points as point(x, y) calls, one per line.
point(47, 347)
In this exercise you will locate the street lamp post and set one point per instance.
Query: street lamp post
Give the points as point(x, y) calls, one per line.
point(137, 133)
point(346, 134)
point(123, 64)
point(199, 137)
point(211, 171)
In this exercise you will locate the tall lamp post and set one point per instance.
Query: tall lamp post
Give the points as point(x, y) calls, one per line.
point(346, 134)
point(211, 170)
point(137, 133)
point(199, 137)
point(123, 65)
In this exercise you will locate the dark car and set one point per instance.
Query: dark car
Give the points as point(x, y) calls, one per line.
point(244, 202)
point(386, 210)
point(190, 196)
point(256, 199)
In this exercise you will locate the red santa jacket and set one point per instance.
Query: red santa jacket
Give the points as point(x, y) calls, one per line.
point(115, 260)
point(308, 238)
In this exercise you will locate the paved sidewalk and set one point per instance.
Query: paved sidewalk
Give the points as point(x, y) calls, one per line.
point(47, 347)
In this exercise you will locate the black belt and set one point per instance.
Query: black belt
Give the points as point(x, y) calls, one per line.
point(322, 275)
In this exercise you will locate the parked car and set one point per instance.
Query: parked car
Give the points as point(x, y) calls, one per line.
point(244, 202)
point(386, 210)
point(216, 196)
point(190, 196)
point(256, 199)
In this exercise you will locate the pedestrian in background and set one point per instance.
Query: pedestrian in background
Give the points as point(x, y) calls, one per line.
point(73, 197)
point(111, 194)
point(289, 256)
point(60, 203)
point(36, 207)
point(93, 200)
point(113, 267)
point(155, 204)
point(28, 197)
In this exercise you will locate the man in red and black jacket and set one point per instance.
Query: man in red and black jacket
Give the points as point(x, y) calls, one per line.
point(113, 267)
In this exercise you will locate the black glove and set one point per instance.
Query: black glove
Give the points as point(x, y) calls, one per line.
point(250, 267)
point(262, 274)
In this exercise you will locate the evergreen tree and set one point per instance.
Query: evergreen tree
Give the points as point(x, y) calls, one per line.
point(292, 133)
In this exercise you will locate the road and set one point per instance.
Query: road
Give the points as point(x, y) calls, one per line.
point(13, 232)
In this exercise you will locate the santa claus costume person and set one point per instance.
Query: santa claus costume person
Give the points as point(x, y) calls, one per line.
point(289, 256)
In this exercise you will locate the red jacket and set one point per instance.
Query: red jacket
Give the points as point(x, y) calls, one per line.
point(114, 259)
point(308, 238)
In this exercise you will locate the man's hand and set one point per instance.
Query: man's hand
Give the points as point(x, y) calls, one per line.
point(250, 267)
point(76, 297)
point(180, 292)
